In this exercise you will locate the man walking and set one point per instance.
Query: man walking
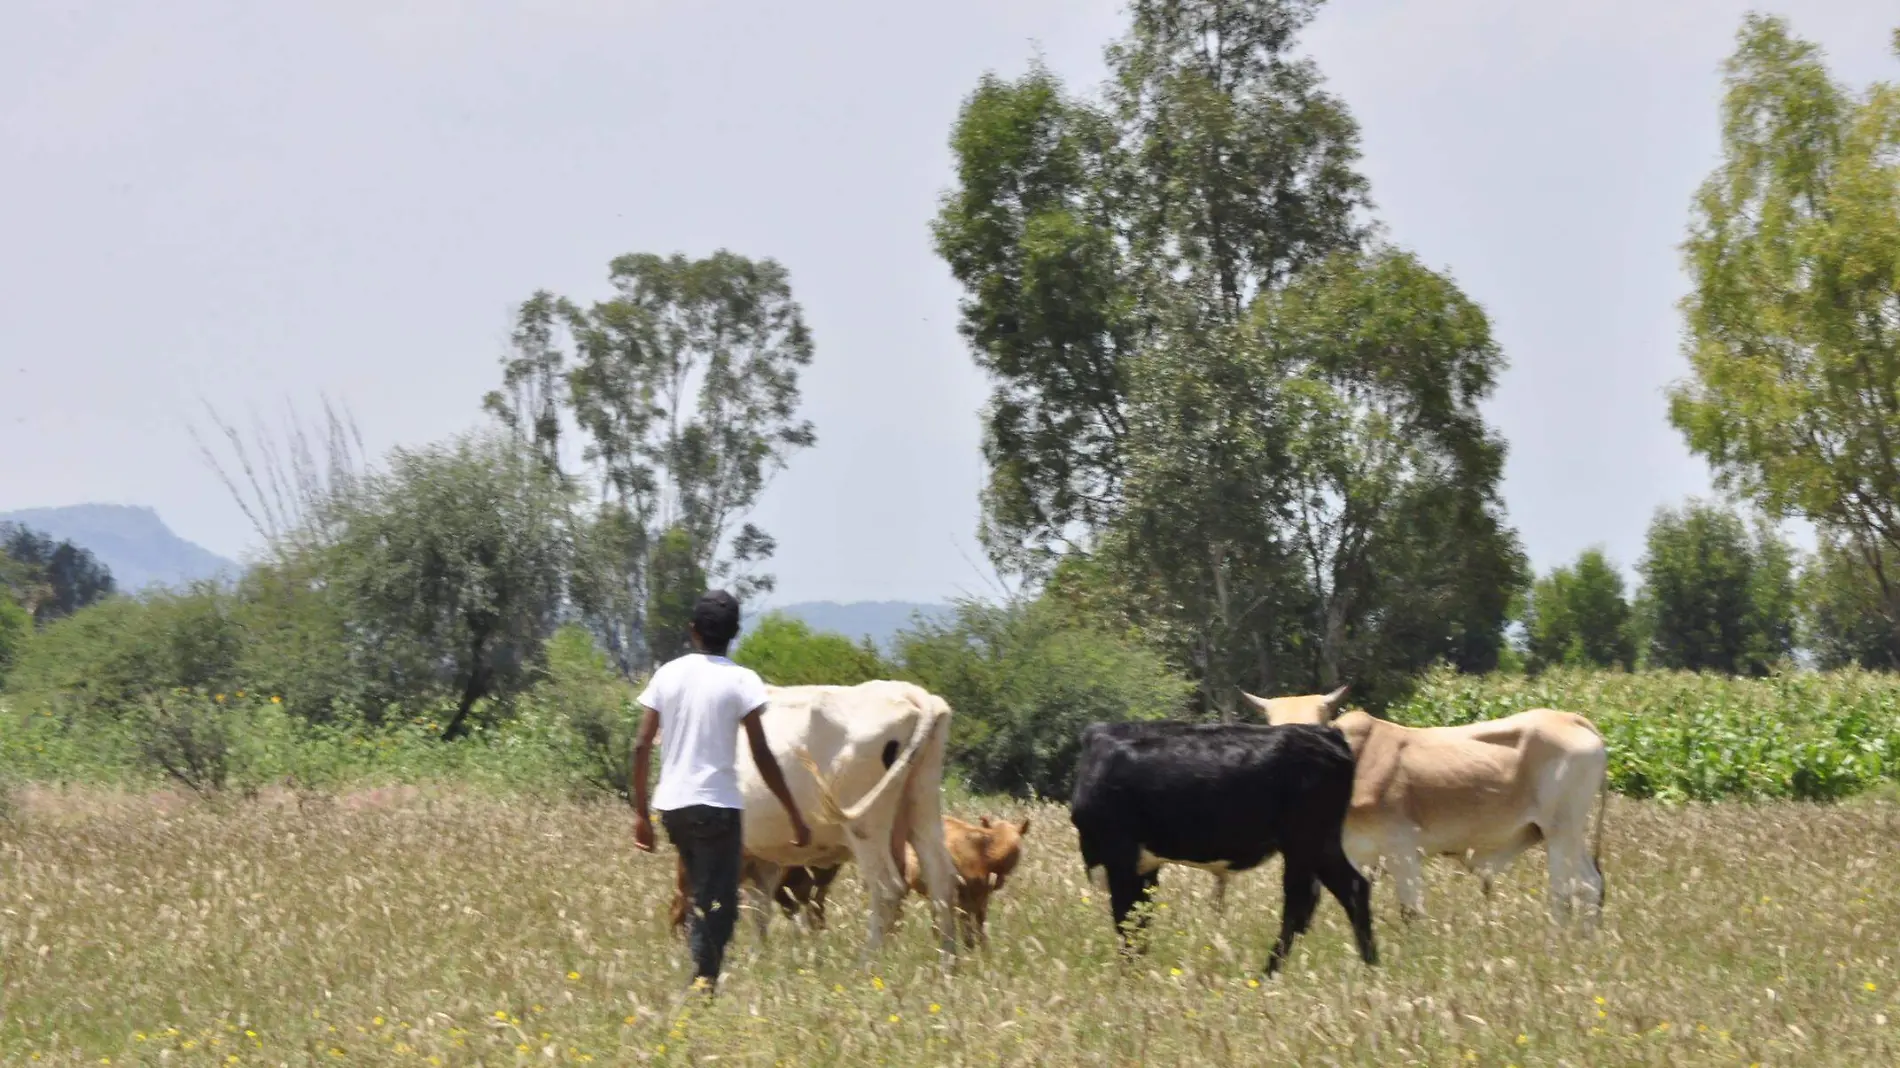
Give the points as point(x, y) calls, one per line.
point(702, 700)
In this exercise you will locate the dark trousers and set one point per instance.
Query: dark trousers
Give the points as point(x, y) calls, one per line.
point(710, 842)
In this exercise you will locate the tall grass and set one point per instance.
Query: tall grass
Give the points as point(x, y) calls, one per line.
point(444, 927)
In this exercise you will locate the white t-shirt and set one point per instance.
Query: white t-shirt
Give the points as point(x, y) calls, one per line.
point(701, 699)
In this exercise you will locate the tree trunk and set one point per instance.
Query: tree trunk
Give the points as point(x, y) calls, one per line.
point(476, 688)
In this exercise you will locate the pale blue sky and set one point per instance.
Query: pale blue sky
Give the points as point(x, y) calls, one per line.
point(250, 203)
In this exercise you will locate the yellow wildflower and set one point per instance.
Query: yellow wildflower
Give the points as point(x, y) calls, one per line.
point(629, 1021)
point(893, 1018)
point(935, 1008)
point(501, 1014)
point(571, 976)
point(1871, 987)
point(378, 1021)
point(1253, 984)
point(1174, 971)
point(877, 983)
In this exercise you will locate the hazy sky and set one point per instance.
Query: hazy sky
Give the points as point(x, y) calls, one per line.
point(251, 204)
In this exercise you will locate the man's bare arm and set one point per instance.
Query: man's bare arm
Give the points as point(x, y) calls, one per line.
point(774, 776)
point(642, 767)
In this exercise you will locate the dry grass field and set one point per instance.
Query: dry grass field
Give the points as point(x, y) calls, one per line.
point(444, 928)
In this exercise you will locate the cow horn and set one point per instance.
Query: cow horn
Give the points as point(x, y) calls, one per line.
point(1259, 703)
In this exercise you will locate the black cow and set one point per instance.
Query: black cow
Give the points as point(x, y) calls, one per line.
point(1225, 797)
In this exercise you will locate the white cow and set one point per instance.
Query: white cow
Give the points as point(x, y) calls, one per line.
point(1483, 792)
point(865, 765)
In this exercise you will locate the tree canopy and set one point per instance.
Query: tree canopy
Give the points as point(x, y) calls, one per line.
point(1715, 597)
point(1793, 321)
point(1205, 374)
point(1578, 616)
point(683, 389)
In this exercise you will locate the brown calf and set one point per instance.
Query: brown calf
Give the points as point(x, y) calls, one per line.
point(985, 854)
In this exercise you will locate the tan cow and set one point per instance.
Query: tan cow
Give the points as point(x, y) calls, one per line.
point(1483, 792)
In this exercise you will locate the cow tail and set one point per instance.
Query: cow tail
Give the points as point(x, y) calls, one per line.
point(1596, 847)
point(831, 811)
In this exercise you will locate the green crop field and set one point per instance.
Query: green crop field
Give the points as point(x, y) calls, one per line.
point(1682, 736)
point(447, 927)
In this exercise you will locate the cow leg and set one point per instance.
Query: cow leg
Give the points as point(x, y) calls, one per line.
point(1408, 879)
point(1354, 893)
point(1220, 892)
point(1572, 876)
point(1127, 888)
point(1301, 892)
point(820, 886)
point(794, 891)
point(883, 880)
point(935, 866)
point(677, 913)
point(760, 887)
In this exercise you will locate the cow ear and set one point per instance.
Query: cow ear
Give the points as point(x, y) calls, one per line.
point(1259, 704)
point(1023, 827)
point(1335, 701)
point(983, 820)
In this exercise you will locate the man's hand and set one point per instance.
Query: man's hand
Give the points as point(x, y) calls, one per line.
point(643, 833)
point(801, 834)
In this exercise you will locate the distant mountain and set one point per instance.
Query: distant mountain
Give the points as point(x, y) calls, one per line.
point(132, 541)
point(881, 620)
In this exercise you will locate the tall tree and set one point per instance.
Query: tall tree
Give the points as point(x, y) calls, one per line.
point(534, 383)
point(1848, 619)
point(1578, 616)
point(684, 388)
point(1717, 599)
point(50, 579)
point(1202, 373)
point(15, 624)
point(1794, 317)
point(1212, 168)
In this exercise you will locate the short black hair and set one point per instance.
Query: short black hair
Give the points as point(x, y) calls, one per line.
point(716, 620)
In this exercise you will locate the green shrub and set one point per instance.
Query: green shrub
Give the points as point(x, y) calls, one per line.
point(15, 626)
point(1023, 680)
point(596, 706)
point(786, 652)
point(111, 656)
